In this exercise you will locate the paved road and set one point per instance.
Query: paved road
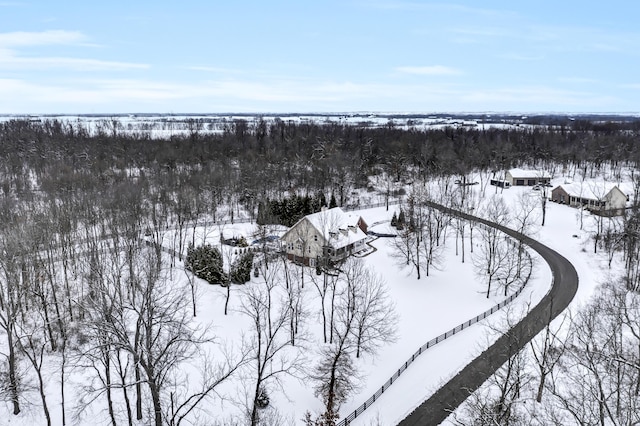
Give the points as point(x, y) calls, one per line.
point(565, 284)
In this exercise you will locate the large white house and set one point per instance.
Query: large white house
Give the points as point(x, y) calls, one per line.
point(595, 196)
point(330, 234)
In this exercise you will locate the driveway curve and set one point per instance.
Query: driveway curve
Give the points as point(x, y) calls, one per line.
point(563, 288)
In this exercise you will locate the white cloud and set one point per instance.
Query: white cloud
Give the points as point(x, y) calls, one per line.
point(451, 8)
point(550, 97)
point(520, 57)
point(209, 69)
point(429, 70)
point(23, 38)
point(9, 61)
point(286, 94)
point(10, 57)
point(634, 86)
point(578, 80)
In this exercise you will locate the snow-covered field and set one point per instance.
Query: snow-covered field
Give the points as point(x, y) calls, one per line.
point(170, 125)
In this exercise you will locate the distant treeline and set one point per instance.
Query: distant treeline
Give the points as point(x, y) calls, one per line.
point(251, 162)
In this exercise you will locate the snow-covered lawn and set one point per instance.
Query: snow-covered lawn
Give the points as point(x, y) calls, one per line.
point(426, 308)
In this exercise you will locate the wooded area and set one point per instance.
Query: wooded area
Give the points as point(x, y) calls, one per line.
point(75, 271)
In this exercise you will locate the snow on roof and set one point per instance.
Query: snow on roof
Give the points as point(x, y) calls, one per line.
point(339, 227)
point(516, 172)
point(589, 190)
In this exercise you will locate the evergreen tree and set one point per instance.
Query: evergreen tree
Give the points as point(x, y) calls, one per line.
point(261, 218)
point(307, 205)
point(333, 203)
point(205, 262)
point(321, 201)
point(394, 220)
point(401, 220)
point(241, 268)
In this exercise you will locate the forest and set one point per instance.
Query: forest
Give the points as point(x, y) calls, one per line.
point(76, 201)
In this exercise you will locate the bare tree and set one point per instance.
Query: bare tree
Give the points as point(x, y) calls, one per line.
point(364, 319)
point(418, 243)
point(33, 345)
point(375, 320)
point(547, 349)
point(494, 250)
point(272, 355)
point(163, 338)
point(11, 297)
point(502, 399)
point(336, 376)
point(325, 284)
point(597, 381)
point(523, 220)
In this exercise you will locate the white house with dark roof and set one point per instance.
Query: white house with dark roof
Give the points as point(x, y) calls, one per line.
point(527, 177)
point(328, 234)
point(595, 196)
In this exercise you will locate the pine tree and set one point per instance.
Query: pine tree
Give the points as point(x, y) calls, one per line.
point(241, 268)
point(394, 220)
point(333, 203)
point(401, 220)
point(205, 262)
point(261, 217)
point(322, 201)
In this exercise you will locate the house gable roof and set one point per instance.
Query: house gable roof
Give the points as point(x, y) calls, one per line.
point(528, 173)
point(590, 190)
point(339, 228)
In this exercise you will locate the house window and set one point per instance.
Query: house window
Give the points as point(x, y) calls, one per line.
point(312, 263)
point(315, 238)
point(299, 246)
point(308, 249)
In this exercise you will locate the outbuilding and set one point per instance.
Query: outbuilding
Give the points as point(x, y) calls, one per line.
point(525, 177)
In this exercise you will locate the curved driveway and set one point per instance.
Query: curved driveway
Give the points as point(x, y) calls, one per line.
point(564, 286)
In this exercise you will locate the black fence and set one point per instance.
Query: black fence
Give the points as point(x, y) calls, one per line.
point(430, 344)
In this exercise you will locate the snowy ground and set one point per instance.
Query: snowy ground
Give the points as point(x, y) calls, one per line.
point(426, 308)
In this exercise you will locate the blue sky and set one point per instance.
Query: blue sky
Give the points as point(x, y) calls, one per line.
point(323, 56)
